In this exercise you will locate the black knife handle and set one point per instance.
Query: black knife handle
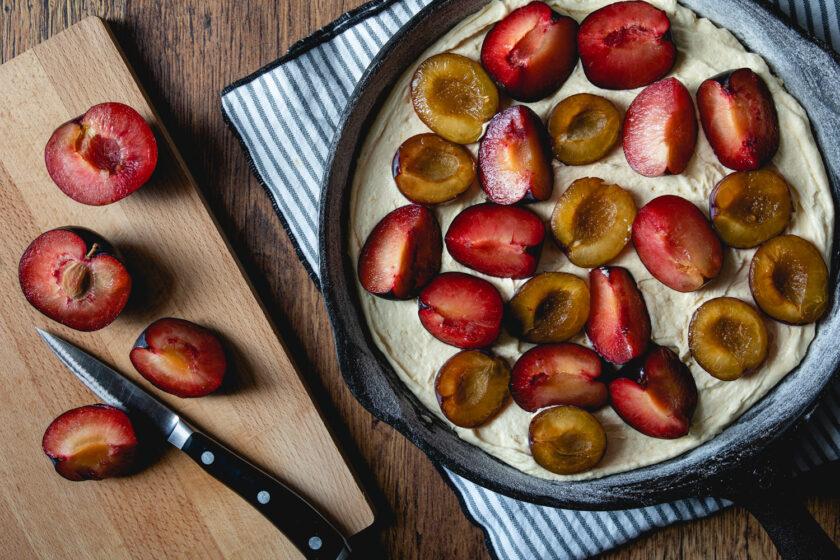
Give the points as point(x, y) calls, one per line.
point(314, 536)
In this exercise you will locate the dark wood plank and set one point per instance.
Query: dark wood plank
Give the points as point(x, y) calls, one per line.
point(184, 54)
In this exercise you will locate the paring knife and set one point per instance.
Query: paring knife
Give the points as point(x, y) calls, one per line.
point(316, 538)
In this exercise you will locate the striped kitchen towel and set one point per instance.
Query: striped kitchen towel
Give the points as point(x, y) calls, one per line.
point(285, 116)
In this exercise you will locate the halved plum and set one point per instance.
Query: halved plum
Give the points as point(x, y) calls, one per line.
point(514, 158)
point(501, 241)
point(472, 387)
point(91, 443)
point(531, 51)
point(789, 280)
point(73, 276)
point(626, 45)
point(750, 207)
point(566, 440)
point(739, 118)
point(431, 170)
point(592, 221)
point(660, 129)
point(454, 96)
point(619, 324)
point(727, 337)
point(402, 253)
point(461, 310)
point(676, 243)
point(583, 128)
point(655, 394)
point(180, 357)
point(550, 307)
point(102, 156)
point(552, 374)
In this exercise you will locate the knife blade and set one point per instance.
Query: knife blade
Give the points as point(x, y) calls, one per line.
point(305, 527)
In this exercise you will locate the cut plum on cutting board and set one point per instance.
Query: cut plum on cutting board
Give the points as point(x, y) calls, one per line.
point(102, 156)
point(180, 357)
point(73, 276)
point(181, 266)
point(91, 443)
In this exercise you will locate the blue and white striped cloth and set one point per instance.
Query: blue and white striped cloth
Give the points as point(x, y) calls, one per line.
point(285, 115)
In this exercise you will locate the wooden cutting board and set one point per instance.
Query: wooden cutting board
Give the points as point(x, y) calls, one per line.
point(182, 266)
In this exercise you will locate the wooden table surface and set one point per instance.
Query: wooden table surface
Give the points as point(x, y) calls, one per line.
point(184, 53)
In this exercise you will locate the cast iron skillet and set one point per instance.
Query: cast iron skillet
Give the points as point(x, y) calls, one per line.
point(720, 467)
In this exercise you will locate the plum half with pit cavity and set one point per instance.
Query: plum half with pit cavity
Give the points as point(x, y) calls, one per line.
point(102, 156)
point(531, 51)
point(592, 221)
point(749, 207)
point(626, 45)
point(583, 128)
point(727, 337)
point(430, 170)
point(454, 96)
point(91, 443)
point(789, 280)
point(566, 440)
point(472, 387)
point(550, 307)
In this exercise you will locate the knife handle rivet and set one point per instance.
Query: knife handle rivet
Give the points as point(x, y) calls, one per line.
point(315, 543)
point(263, 497)
point(207, 457)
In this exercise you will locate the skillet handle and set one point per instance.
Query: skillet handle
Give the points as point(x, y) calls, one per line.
point(793, 530)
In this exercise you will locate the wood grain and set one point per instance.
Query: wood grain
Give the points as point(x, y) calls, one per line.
point(182, 267)
point(184, 53)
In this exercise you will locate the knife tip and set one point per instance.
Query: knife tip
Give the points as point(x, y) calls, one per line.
point(43, 334)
